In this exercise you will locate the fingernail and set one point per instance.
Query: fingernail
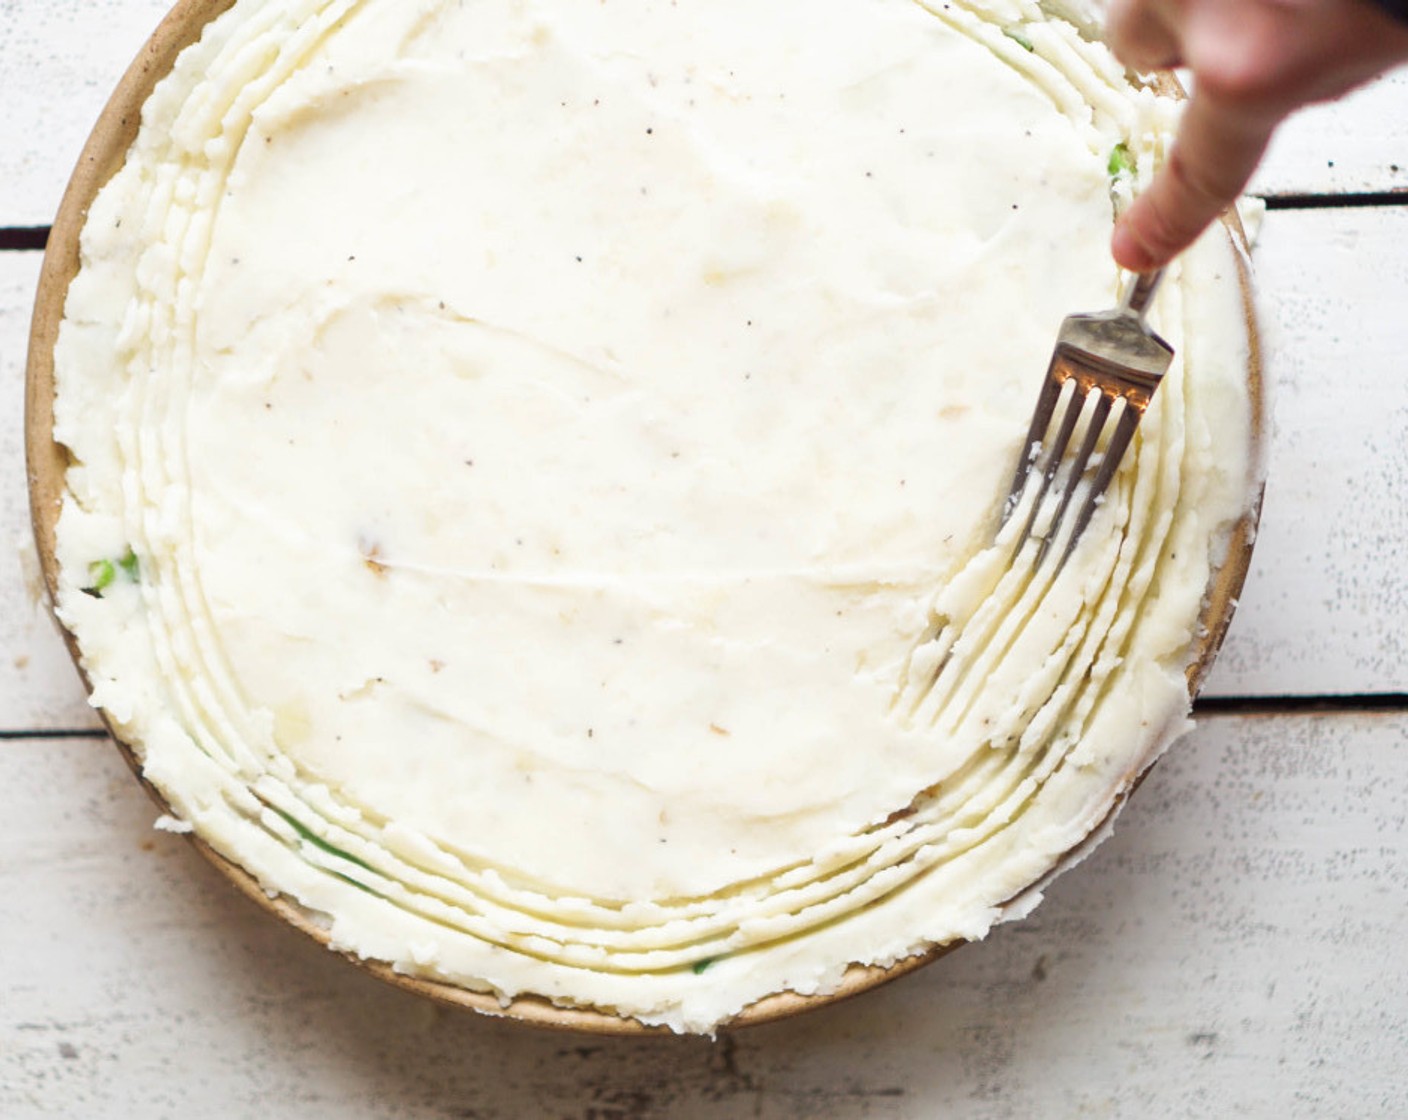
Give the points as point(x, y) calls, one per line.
point(1128, 251)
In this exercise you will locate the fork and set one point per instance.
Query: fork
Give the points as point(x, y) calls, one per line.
point(1113, 362)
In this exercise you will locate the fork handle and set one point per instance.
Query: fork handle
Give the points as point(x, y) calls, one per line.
point(1140, 292)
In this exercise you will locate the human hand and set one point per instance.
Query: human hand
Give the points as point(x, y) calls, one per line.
point(1253, 63)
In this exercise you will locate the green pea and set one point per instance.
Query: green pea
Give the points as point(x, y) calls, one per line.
point(1121, 161)
point(101, 573)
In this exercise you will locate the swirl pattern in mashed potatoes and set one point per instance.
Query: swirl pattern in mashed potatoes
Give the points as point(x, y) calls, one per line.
point(556, 451)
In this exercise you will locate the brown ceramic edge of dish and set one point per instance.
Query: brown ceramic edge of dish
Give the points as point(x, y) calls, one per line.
point(47, 463)
point(1231, 574)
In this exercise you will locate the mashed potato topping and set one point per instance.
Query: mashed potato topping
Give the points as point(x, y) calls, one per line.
point(536, 468)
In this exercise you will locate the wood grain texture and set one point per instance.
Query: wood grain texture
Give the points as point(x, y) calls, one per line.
point(1234, 949)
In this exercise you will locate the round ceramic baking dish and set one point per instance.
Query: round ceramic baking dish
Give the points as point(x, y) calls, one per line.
point(47, 462)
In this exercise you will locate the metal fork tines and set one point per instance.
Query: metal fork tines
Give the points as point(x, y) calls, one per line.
point(1102, 376)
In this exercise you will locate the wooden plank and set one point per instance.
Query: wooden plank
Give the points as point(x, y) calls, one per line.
point(63, 57)
point(1325, 609)
point(1357, 145)
point(1235, 948)
point(62, 60)
point(39, 688)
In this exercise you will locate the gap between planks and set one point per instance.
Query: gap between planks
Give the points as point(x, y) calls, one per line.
point(1346, 704)
point(23, 238)
point(29, 238)
point(1214, 706)
point(64, 734)
point(1349, 200)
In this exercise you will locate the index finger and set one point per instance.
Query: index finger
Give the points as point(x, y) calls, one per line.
point(1214, 154)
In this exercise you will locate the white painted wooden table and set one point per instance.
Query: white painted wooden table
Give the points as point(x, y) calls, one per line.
point(1237, 949)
